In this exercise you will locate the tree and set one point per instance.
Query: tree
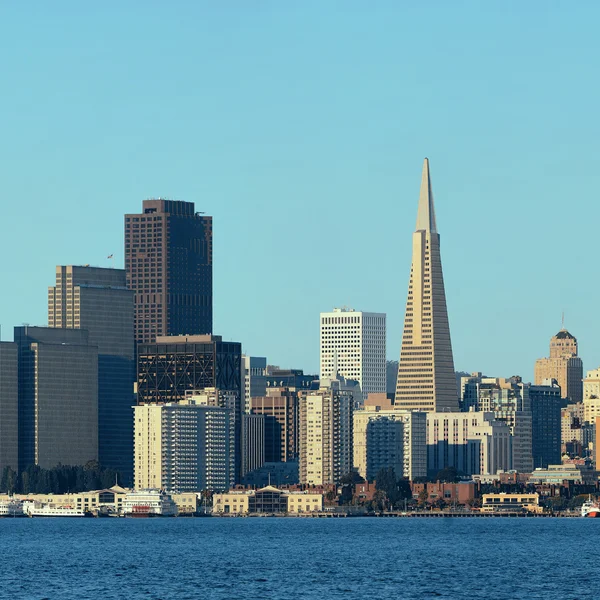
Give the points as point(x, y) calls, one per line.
point(448, 475)
point(396, 490)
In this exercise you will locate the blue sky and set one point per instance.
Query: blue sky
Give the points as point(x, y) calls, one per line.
point(301, 127)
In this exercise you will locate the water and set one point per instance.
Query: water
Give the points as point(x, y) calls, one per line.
point(306, 558)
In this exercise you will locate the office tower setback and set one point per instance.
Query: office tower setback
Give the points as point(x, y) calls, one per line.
point(168, 259)
point(280, 409)
point(353, 342)
point(426, 380)
point(564, 365)
point(9, 406)
point(474, 443)
point(58, 397)
point(546, 404)
point(326, 433)
point(183, 447)
point(254, 378)
point(97, 300)
point(253, 443)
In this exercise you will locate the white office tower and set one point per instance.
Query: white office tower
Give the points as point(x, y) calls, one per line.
point(184, 447)
point(254, 379)
point(354, 343)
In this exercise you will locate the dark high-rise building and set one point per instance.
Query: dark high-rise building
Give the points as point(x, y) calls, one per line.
point(58, 397)
point(280, 410)
point(173, 366)
point(9, 406)
point(168, 259)
point(98, 300)
point(292, 378)
point(546, 404)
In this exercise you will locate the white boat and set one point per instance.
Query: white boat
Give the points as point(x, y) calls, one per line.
point(590, 509)
point(36, 509)
point(11, 508)
point(149, 503)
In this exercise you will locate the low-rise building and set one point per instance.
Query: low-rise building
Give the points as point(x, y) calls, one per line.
point(557, 474)
point(267, 500)
point(511, 503)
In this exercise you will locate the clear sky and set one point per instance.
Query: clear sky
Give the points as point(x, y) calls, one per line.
point(302, 127)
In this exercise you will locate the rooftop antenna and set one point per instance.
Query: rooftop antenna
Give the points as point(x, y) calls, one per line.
point(563, 320)
point(111, 257)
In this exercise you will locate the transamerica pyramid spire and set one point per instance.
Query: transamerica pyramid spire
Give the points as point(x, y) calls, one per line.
point(426, 379)
point(426, 212)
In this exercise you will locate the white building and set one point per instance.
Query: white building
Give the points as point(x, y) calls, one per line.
point(325, 433)
point(371, 448)
point(472, 442)
point(184, 447)
point(354, 342)
point(591, 396)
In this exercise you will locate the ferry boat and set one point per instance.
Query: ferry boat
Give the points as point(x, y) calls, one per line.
point(11, 508)
point(590, 509)
point(149, 503)
point(36, 509)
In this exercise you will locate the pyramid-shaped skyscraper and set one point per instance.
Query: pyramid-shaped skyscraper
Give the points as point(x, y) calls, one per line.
point(426, 379)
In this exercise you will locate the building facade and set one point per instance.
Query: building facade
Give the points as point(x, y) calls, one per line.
point(546, 404)
point(325, 434)
point(474, 443)
point(254, 378)
point(58, 397)
point(378, 442)
point(426, 380)
point(267, 500)
point(168, 259)
point(280, 409)
point(564, 365)
point(591, 396)
point(353, 344)
point(9, 406)
point(97, 300)
point(253, 443)
point(184, 447)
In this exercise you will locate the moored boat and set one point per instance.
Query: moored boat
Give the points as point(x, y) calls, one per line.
point(11, 508)
point(590, 509)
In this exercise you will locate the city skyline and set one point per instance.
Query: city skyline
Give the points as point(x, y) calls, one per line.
point(499, 165)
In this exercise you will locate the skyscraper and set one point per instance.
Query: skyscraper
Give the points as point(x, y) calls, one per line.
point(98, 300)
point(58, 397)
point(354, 342)
point(564, 365)
point(426, 380)
point(9, 406)
point(168, 259)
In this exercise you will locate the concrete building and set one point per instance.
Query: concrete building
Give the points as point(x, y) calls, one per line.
point(267, 500)
point(472, 442)
point(373, 444)
point(557, 474)
point(9, 406)
point(546, 403)
point(509, 400)
point(175, 366)
point(597, 445)
point(254, 378)
point(325, 433)
point(58, 397)
point(426, 380)
point(98, 301)
point(280, 408)
point(564, 365)
point(168, 259)
point(591, 396)
point(184, 447)
point(352, 343)
point(253, 443)
point(494, 503)
point(572, 424)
